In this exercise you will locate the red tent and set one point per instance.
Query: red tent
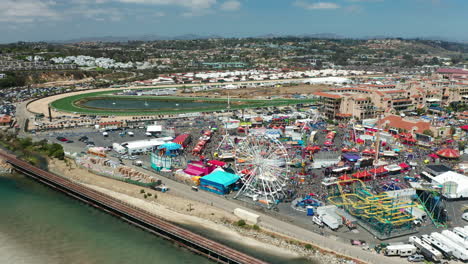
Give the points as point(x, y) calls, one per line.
point(360, 141)
point(182, 139)
point(217, 163)
point(362, 174)
point(328, 142)
point(354, 150)
point(404, 165)
point(448, 153)
point(379, 170)
point(344, 150)
point(344, 177)
point(246, 172)
point(434, 156)
point(365, 174)
point(312, 148)
point(196, 149)
point(366, 151)
point(465, 127)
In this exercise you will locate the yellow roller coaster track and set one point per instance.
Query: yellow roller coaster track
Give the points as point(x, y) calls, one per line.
point(383, 208)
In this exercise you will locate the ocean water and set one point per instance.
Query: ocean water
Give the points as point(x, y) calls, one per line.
point(41, 226)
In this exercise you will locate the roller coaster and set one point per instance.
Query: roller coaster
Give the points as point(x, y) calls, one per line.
point(382, 213)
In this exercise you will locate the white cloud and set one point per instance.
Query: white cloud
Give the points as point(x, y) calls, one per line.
point(192, 4)
point(197, 12)
point(33, 11)
point(317, 5)
point(362, 1)
point(95, 13)
point(231, 5)
point(26, 11)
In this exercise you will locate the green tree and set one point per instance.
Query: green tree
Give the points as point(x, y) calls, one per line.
point(428, 132)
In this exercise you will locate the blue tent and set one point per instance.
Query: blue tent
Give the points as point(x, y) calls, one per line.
point(351, 157)
point(170, 146)
point(218, 181)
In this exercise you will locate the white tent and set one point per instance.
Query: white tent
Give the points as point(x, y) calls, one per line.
point(454, 185)
point(154, 129)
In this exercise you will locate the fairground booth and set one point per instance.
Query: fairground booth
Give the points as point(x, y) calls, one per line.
point(219, 181)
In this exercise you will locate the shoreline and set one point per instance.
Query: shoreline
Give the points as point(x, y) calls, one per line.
point(197, 223)
point(188, 212)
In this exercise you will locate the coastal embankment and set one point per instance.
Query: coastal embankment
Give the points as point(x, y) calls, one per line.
point(292, 242)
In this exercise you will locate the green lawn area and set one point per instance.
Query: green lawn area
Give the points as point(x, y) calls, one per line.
point(68, 104)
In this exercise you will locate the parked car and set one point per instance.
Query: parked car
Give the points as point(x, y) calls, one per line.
point(83, 139)
point(317, 220)
point(70, 141)
point(465, 216)
point(59, 138)
point(416, 258)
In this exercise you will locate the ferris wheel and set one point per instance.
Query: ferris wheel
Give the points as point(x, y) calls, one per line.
point(262, 163)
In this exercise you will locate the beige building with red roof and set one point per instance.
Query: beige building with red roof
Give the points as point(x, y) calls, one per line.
point(413, 126)
point(362, 101)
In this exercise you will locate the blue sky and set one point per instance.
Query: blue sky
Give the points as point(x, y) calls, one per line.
point(66, 19)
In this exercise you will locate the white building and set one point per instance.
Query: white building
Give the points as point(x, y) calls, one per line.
point(454, 185)
point(142, 146)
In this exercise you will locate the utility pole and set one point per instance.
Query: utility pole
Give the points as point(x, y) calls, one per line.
point(377, 139)
point(50, 115)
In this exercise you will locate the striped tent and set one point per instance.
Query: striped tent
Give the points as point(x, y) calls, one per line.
point(448, 153)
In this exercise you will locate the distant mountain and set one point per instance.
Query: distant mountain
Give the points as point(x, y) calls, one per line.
point(153, 37)
point(148, 37)
point(323, 36)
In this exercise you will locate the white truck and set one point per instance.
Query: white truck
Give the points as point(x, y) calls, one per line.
point(455, 238)
point(403, 250)
point(330, 221)
point(426, 249)
point(461, 232)
point(446, 250)
point(457, 251)
point(317, 220)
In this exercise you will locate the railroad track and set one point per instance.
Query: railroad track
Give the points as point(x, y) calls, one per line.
point(134, 215)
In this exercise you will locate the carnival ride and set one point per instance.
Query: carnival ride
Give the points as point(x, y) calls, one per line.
point(382, 213)
point(308, 200)
point(226, 150)
point(434, 206)
point(262, 163)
